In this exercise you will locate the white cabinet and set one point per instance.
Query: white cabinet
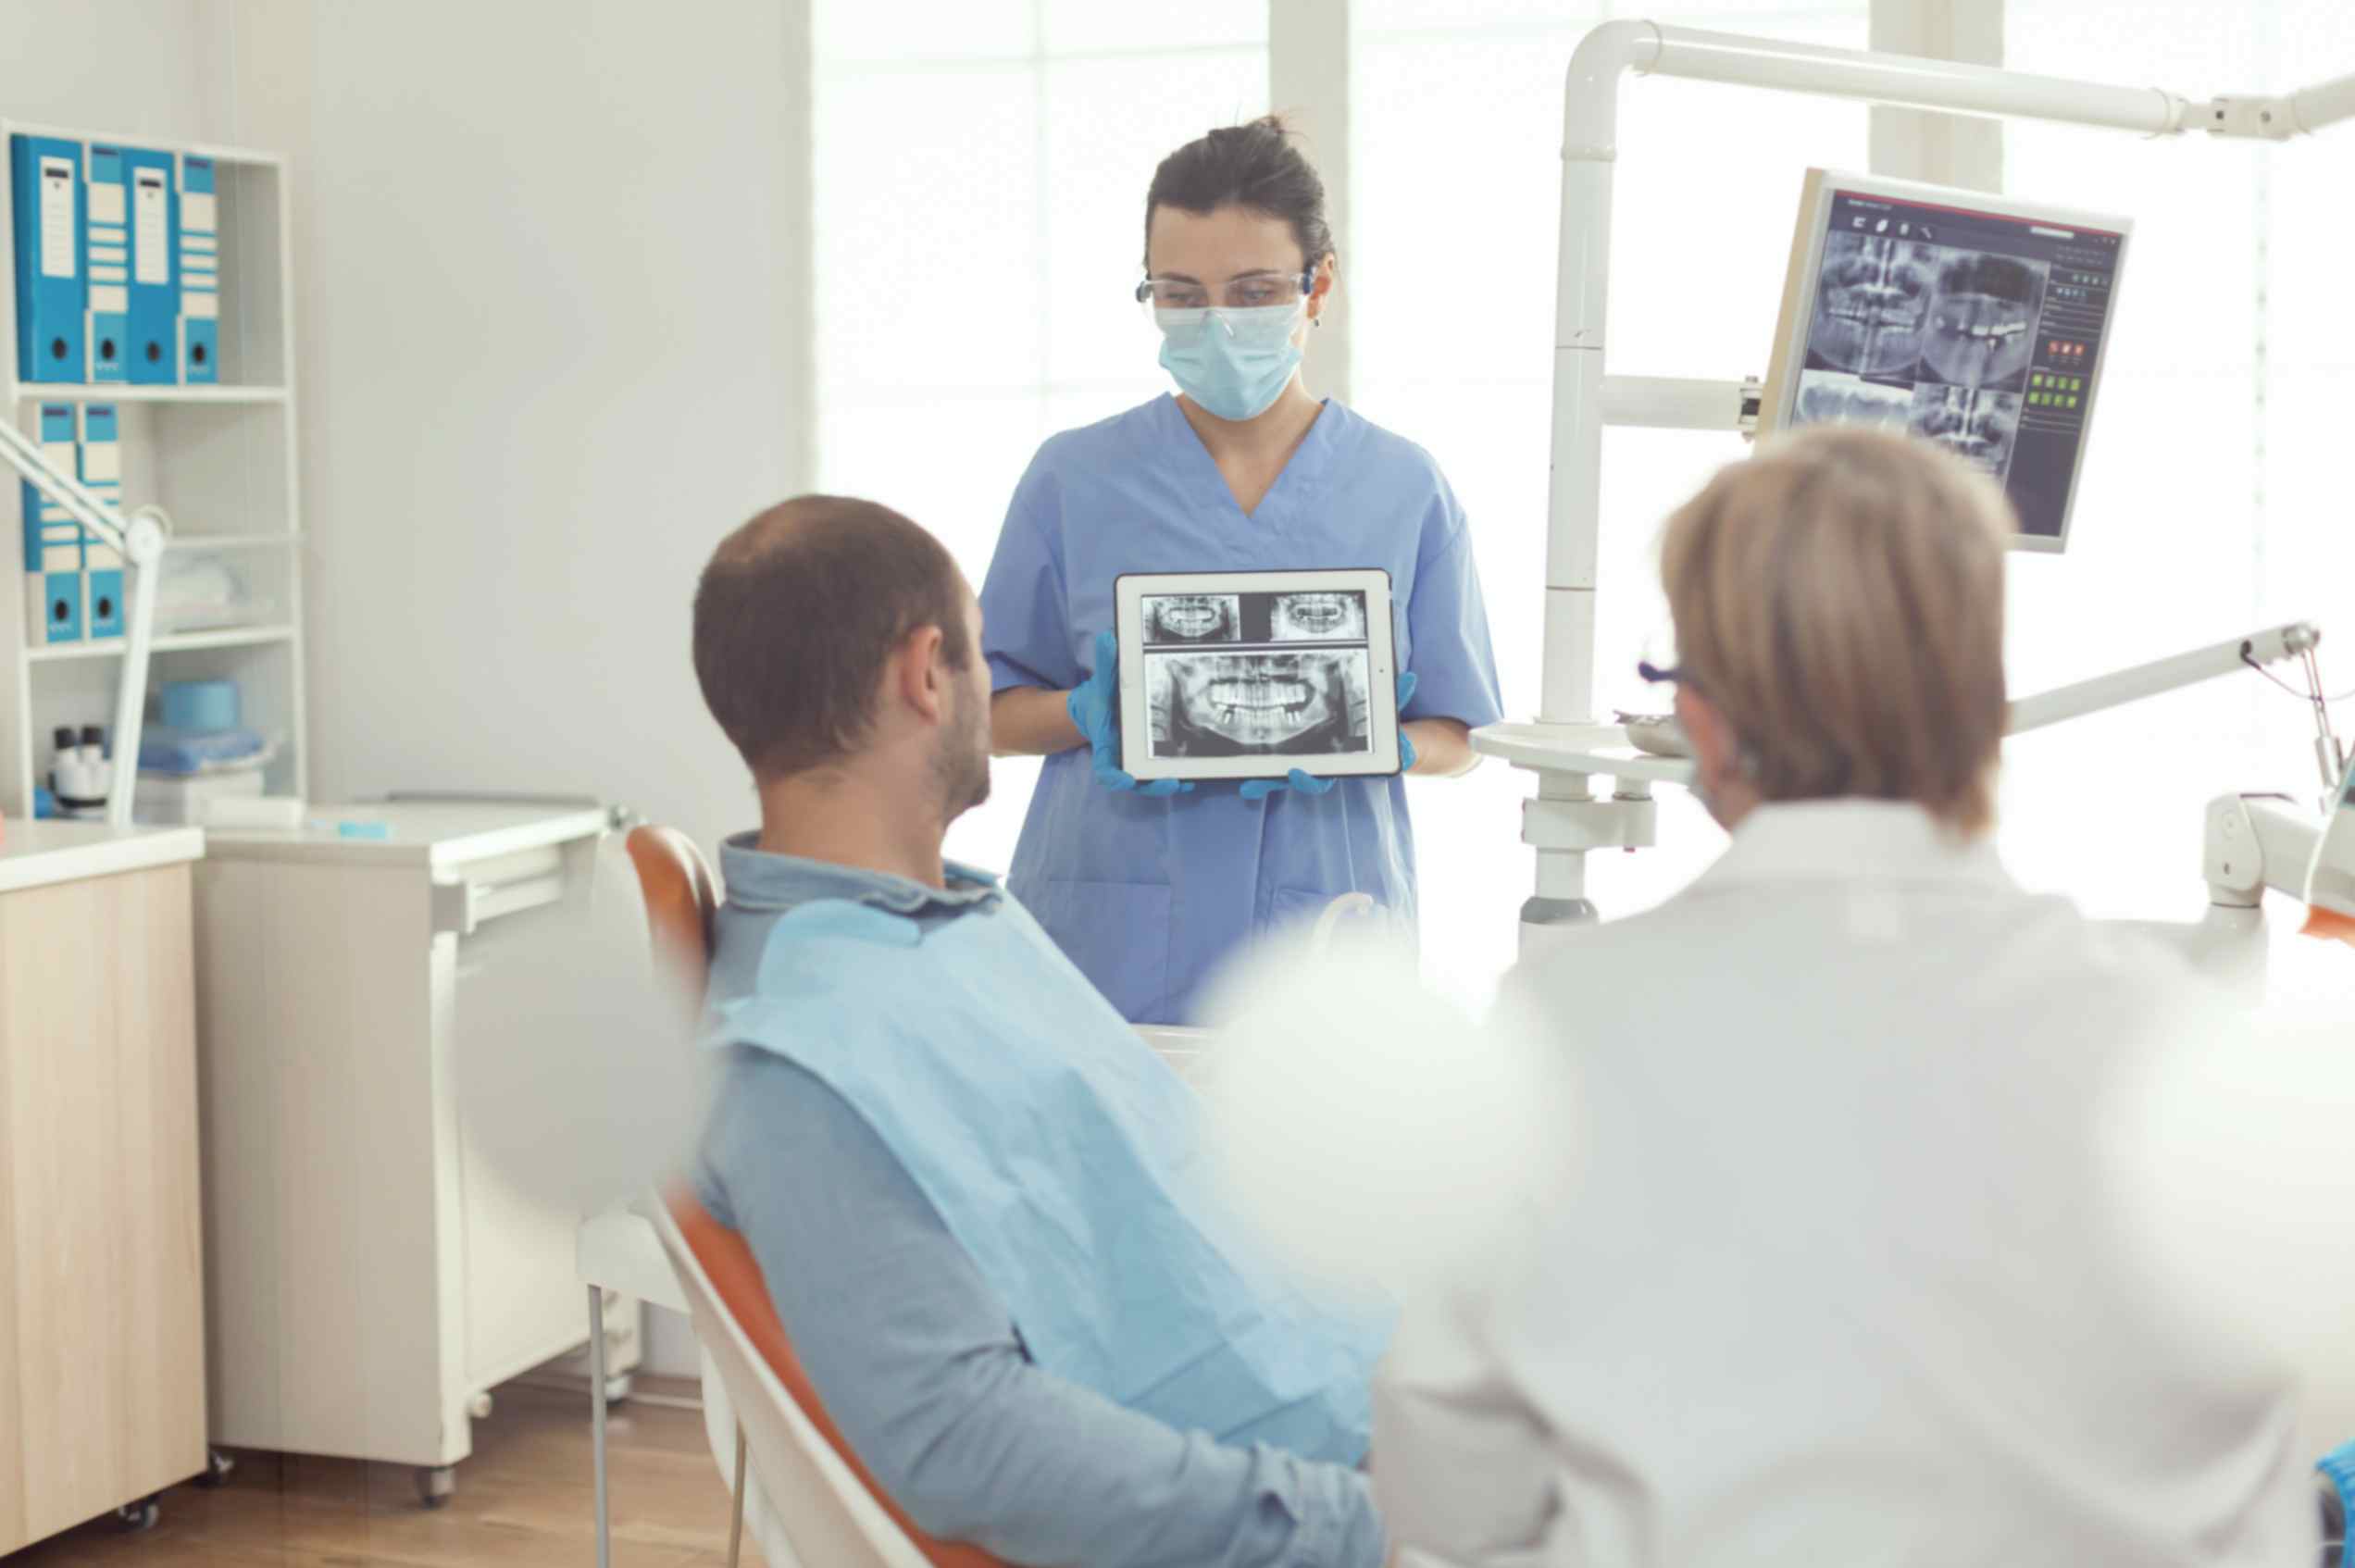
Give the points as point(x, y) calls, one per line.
point(367, 1277)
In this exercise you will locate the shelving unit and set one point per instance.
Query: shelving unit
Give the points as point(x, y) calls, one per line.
point(84, 391)
point(233, 637)
point(219, 458)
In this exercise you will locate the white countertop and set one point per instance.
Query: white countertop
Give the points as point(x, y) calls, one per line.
point(35, 853)
point(438, 834)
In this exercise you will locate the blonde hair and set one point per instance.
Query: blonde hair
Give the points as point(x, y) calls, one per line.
point(1839, 598)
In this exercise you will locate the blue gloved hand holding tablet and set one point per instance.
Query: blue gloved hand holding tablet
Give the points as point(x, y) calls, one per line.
point(1094, 706)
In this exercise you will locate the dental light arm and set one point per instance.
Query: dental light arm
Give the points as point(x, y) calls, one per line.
point(140, 537)
point(2256, 842)
point(2297, 641)
point(2253, 842)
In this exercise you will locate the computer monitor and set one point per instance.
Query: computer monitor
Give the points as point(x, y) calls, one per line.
point(1975, 321)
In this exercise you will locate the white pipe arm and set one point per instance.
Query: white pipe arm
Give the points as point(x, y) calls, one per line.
point(142, 538)
point(2257, 844)
point(1900, 81)
point(1913, 81)
point(1671, 402)
point(2125, 685)
point(2324, 104)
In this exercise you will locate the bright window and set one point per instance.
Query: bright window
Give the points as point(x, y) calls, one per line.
point(981, 168)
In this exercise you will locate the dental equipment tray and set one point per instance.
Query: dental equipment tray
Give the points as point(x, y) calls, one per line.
point(1249, 675)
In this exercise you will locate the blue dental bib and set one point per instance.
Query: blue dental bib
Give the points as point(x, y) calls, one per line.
point(1064, 1155)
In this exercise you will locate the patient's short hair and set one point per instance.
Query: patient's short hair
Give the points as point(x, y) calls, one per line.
point(796, 614)
point(1839, 598)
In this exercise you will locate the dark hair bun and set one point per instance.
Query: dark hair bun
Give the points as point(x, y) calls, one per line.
point(1256, 165)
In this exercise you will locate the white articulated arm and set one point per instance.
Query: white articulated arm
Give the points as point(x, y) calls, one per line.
point(1912, 81)
point(2163, 676)
point(2257, 842)
point(2324, 104)
point(142, 538)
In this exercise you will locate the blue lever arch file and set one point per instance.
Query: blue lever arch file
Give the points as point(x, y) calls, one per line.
point(53, 541)
point(154, 280)
point(46, 175)
point(107, 264)
point(102, 564)
point(199, 271)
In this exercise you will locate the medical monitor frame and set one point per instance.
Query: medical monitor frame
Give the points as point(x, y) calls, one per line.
point(1249, 675)
point(1975, 320)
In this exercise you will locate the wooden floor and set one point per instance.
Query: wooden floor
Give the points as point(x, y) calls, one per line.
point(524, 1500)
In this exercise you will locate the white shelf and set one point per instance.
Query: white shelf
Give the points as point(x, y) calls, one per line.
point(1597, 750)
point(112, 647)
point(202, 149)
point(193, 542)
point(123, 391)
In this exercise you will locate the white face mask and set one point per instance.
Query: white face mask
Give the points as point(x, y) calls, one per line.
point(1235, 363)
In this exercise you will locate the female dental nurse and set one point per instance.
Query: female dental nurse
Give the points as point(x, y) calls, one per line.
point(1147, 889)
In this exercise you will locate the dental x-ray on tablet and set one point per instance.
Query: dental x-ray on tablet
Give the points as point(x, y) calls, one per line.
point(1972, 320)
point(1249, 675)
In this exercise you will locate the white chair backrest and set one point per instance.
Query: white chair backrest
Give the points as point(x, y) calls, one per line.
point(827, 1515)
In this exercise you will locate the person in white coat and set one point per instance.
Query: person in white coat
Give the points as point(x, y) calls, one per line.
point(1840, 1280)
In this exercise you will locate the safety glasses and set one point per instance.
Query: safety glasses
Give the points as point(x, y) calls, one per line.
point(1251, 290)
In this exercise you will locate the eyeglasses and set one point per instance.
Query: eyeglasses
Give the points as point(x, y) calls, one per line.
point(1252, 291)
point(1657, 675)
point(1660, 665)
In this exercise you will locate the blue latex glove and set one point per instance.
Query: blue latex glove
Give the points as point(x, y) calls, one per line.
point(1094, 706)
point(2338, 1468)
point(1309, 784)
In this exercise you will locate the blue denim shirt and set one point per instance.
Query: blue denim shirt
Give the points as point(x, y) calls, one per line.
point(916, 1357)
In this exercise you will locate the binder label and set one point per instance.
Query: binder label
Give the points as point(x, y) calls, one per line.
point(199, 306)
point(109, 299)
point(57, 231)
point(197, 210)
point(151, 240)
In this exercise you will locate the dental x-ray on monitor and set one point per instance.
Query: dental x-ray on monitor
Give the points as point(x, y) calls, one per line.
point(1249, 675)
point(1972, 320)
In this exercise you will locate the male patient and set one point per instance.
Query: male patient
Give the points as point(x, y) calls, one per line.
point(976, 1195)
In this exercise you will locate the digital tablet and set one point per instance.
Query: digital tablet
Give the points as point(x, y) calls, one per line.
point(1249, 675)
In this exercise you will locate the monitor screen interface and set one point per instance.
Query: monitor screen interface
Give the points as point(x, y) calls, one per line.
point(1978, 331)
point(1257, 674)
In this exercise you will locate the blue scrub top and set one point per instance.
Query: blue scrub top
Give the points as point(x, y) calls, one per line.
point(1148, 895)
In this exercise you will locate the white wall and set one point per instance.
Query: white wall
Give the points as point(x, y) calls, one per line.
point(551, 313)
point(66, 62)
point(550, 271)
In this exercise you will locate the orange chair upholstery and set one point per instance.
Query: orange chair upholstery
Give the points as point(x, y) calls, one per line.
point(682, 898)
point(681, 895)
point(736, 1276)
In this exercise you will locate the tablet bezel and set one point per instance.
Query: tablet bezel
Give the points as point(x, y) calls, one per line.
point(1136, 732)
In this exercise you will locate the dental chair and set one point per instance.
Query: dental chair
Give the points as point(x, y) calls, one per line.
point(825, 1503)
